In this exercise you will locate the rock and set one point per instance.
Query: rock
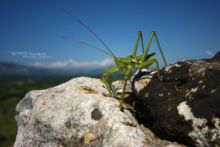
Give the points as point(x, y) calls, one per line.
point(77, 113)
point(117, 87)
point(185, 105)
point(216, 58)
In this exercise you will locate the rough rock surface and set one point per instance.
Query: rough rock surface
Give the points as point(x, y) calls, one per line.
point(77, 113)
point(185, 106)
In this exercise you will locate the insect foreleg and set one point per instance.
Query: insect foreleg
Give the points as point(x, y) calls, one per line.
point(106, 75)
point(127, 75)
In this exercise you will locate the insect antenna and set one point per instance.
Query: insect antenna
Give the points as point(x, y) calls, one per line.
point(87, 44)
point(91, 31)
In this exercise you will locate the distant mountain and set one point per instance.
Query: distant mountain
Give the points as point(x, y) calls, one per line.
point(14, 69)
point(9, 69)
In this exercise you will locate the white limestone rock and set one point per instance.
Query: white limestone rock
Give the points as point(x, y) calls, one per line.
point(77, 113)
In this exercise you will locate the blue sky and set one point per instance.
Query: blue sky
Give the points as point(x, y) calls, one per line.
point(187, 29)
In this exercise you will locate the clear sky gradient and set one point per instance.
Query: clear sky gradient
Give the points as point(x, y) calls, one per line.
point(187, 29)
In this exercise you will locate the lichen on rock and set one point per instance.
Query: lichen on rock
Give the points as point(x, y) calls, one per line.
point(185, 106)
